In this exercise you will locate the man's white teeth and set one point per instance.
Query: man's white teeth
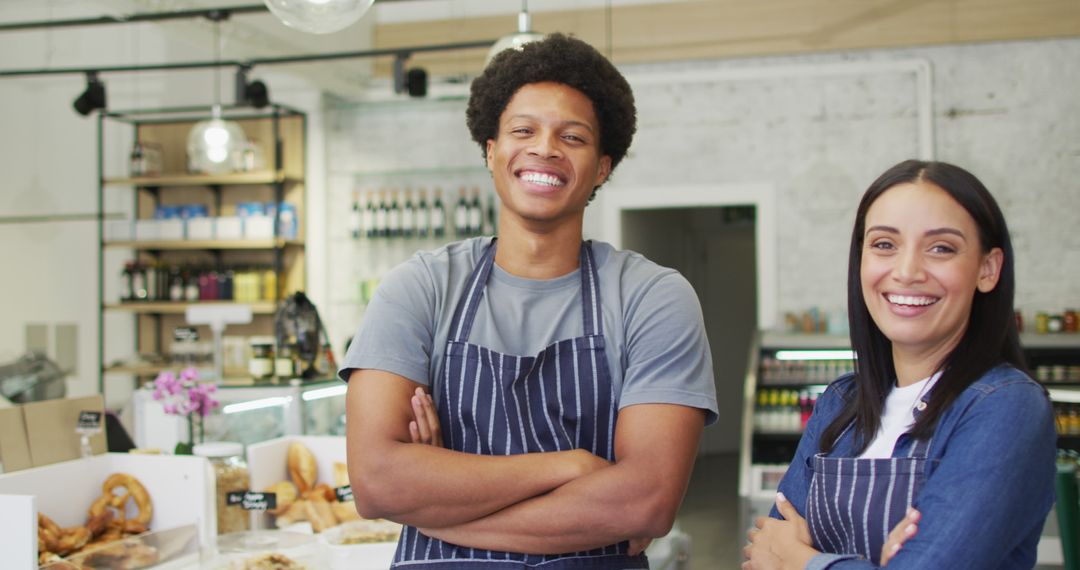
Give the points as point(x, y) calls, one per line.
point(912, 301)
point(541, 178)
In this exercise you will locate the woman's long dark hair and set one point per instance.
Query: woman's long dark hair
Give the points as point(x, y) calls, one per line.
point(991, 337)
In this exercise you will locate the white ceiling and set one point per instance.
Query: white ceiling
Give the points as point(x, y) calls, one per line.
point(245, 36)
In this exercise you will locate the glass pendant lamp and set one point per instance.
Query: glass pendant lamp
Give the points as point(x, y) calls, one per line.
point(516, 40)
point(216, 146)
point(319, 16)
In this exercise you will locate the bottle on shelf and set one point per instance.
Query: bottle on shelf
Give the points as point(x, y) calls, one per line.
point(393, 220)
point(423, 215)
point(356, 216)
point(408, 216)
point(476, 214)
point(138, 282)
point(438, 215)
point(176, 284)
point(382, 216)
point(461, 215)
point(127, 276)
point(369, 215)
point(492, 215)
point(191, 284)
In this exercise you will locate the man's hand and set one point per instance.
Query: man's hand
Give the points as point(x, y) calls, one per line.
point(904, 530)
point(425, 428)
point(779, 544)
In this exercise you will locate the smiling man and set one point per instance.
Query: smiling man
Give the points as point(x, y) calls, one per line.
point(535, 400)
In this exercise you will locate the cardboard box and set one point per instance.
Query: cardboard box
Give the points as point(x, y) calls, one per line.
point(119, 230)
point(147, 230)
point(258, 227)
point(200, 229)
point(14, 446)
point(172, 229)
point(181, 489)
point(42, 433)
point(267, 462)
point(229, 227)
point(50, 429)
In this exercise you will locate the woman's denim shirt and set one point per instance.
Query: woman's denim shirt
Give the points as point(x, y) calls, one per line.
point(989, 476)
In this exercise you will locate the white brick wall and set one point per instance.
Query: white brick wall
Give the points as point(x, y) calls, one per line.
point(1007, 111)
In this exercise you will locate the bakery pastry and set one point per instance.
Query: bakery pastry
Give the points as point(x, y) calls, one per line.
point(302, 467)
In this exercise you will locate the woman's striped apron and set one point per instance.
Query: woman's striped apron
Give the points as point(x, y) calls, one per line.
point(853, 503)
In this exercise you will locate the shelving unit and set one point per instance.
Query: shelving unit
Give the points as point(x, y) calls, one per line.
point(766, 453)
point(278, 136)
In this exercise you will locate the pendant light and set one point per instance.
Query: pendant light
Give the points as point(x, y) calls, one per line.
point(319, 16)
point(216, 146)
point(516, 40)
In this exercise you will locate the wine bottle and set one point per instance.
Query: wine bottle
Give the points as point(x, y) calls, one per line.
point(423, 215)
point(476, 214)
point(355, 216)
point(461, 215)
point(408, 216)
point(369, 215)
point(381, 215)
point(438, 215)
point(394, 221)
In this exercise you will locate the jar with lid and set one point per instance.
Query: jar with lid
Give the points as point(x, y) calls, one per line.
point(261, 365)
point(284, 367)
point(230, 475)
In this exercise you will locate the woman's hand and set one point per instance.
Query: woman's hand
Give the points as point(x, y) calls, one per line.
point(424, 428)
point(905, 529)
point(779, 544)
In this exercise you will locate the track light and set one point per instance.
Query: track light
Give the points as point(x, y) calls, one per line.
point(254, 93)
point(92, 98)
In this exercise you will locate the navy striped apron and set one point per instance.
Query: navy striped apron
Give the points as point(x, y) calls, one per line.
point(497, 404)
point(853, 503)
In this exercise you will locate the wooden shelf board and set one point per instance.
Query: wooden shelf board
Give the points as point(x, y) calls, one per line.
point(252, 244)
point(175, 308)
point(234, 179)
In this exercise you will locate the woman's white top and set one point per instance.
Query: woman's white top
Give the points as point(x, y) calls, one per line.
point(897, 417)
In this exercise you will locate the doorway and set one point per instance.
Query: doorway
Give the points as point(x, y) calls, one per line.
point(722, 239)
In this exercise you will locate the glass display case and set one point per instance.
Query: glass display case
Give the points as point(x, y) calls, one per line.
point(248, 414)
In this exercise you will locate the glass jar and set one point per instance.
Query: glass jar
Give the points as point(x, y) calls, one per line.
point(230, 476)
point(261, 365)
point(284, 368)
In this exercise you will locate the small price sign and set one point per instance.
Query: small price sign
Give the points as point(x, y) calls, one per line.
point(251, 500)
point(89, 421)
point(344, 494)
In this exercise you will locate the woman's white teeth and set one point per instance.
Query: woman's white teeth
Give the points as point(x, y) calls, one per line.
point(541, 178)
point(913, 301)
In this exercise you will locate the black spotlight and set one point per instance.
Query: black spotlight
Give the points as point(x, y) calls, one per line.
point(254, 93)
point(257, 94)
point(91, 99)
point(416, 82)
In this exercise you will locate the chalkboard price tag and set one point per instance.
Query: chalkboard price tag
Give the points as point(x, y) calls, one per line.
point(344, 494)
point(89, 421)
point(251, 501)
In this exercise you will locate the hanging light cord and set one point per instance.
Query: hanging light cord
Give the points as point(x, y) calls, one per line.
point(217, 70)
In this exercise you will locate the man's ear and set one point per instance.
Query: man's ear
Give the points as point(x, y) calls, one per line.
point(490, 152)
point(603, 171)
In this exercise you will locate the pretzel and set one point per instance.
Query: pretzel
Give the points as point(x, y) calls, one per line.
point(131, 489)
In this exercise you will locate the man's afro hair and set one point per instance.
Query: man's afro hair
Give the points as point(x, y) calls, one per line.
point(560, 59)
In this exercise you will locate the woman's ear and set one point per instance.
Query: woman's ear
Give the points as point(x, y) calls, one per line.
point(990, 270)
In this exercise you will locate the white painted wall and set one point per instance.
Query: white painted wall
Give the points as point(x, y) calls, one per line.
point(48, 156)
point(1006, 111)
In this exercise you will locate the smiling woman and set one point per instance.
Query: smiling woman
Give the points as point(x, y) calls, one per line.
point(918, 460)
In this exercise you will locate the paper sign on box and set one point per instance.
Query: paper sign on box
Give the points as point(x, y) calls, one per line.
point(50, 429)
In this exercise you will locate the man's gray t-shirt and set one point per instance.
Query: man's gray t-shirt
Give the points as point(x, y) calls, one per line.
point(655, 339)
